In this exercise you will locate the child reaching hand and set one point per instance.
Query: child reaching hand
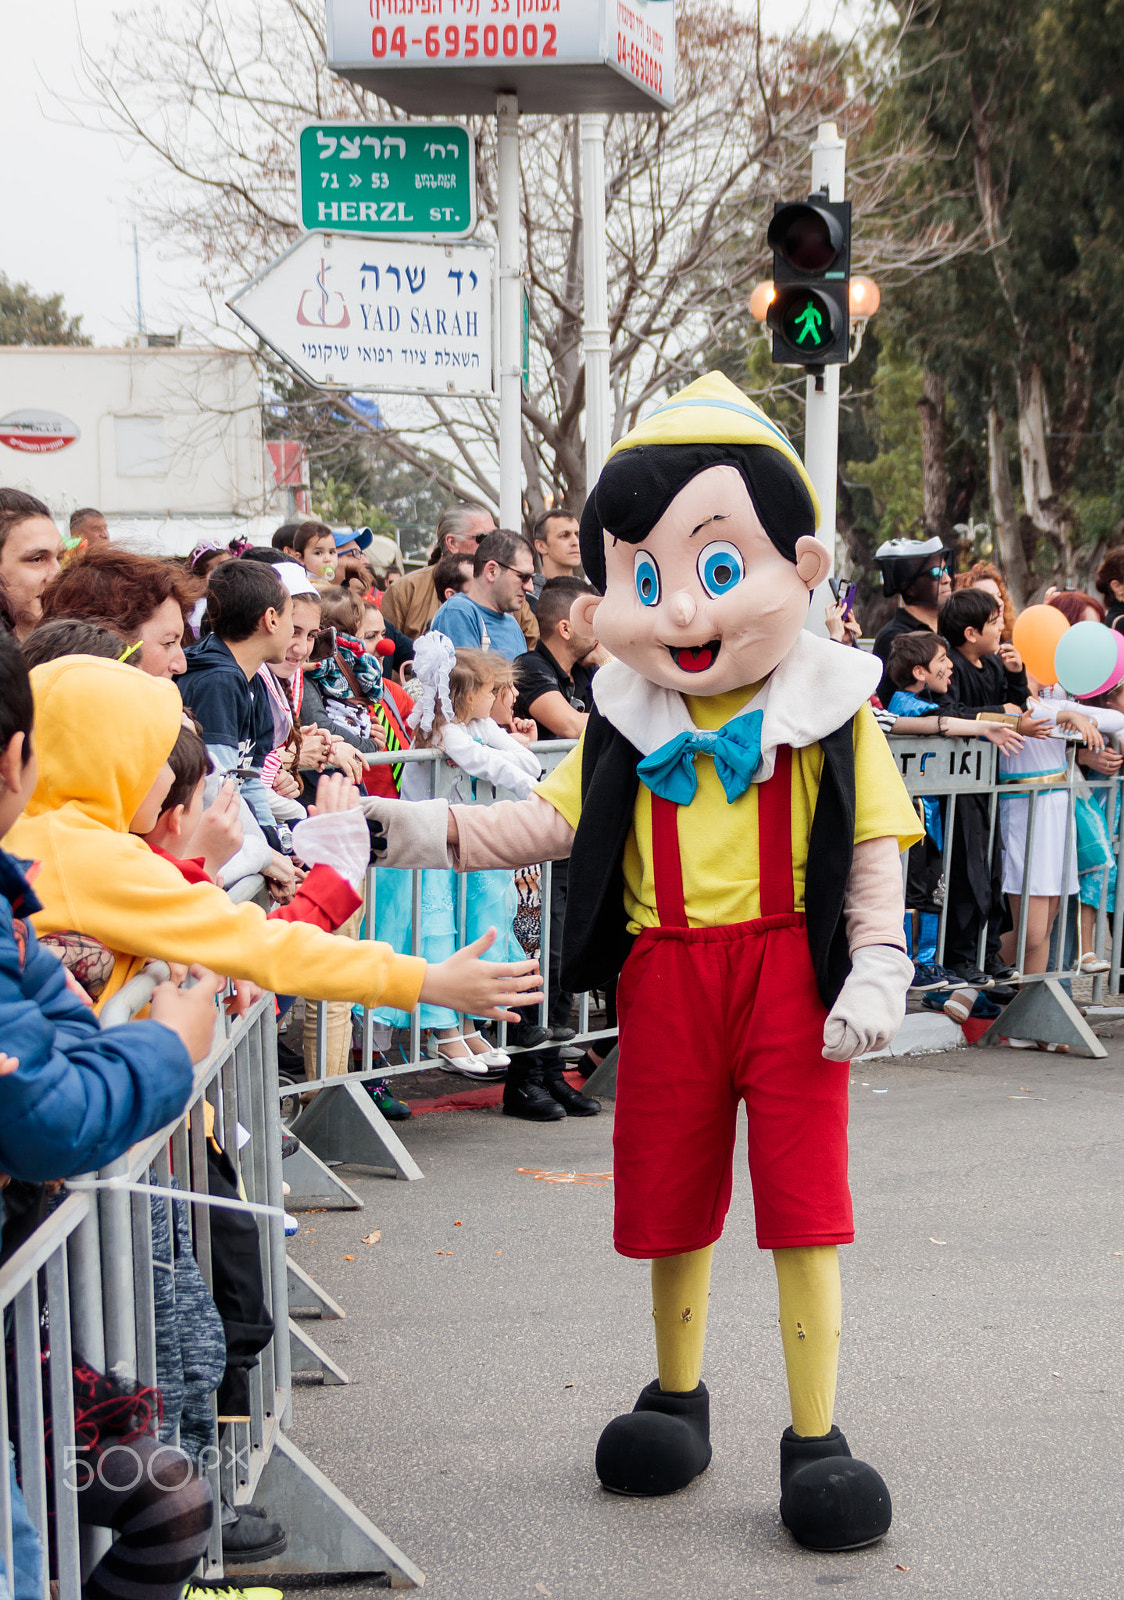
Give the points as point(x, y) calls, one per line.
point(454, 691)
point(86, 822)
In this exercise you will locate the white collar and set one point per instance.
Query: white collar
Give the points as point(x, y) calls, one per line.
point(809, 694)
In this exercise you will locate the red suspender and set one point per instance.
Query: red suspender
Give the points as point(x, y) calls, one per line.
point(666, 867)
point(774, 837)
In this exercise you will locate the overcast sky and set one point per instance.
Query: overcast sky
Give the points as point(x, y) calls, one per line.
point(69, 197)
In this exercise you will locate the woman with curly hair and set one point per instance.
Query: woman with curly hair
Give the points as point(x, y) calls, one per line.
point(146, 600)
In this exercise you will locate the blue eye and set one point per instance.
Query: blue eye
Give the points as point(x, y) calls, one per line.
point(720, 567)
point(647, 578)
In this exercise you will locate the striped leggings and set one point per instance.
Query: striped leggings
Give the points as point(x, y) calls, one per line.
point(161, 1512)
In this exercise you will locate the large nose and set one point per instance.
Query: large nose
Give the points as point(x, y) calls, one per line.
point(682, 608)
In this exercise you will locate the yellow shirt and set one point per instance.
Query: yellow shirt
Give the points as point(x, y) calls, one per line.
point(718, 850)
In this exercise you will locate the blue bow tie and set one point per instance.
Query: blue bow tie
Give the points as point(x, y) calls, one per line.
point(736, 748)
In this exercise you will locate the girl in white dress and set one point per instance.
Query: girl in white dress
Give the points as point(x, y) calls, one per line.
point(1041, 764)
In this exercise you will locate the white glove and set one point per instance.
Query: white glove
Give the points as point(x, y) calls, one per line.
point(871, 1003)
point(338, 839)
point(407, 833)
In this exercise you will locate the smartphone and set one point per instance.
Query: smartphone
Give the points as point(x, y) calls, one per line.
point(843, 592)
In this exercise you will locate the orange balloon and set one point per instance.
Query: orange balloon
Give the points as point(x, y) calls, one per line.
point(1035, 636)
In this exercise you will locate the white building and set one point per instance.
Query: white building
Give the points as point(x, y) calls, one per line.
point(166, 442)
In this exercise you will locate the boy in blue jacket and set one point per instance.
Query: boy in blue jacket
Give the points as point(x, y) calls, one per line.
point(75, 1096)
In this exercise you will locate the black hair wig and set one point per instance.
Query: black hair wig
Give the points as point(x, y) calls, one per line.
point(637, 486)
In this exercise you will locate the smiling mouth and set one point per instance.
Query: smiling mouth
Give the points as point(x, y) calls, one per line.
point(697, 658)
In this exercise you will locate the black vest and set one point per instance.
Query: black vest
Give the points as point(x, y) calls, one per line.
point(595, 938)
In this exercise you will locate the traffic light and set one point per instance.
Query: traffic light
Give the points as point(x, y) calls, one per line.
point(808, 315)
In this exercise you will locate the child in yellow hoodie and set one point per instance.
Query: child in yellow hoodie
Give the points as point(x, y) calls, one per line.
point(104, 733)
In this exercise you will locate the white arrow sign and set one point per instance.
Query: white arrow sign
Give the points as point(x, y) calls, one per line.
point(354, 313)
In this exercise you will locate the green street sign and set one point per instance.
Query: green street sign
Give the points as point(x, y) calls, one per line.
point(412, 180)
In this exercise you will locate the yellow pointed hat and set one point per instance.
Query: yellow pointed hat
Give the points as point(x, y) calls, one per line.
point(712, 410)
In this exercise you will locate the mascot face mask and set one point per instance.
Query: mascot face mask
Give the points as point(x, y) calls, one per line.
point(705, 602)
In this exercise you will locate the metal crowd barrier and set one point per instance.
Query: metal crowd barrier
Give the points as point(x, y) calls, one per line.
point(346, 1126)
point(954, 770)
point(84, 1284)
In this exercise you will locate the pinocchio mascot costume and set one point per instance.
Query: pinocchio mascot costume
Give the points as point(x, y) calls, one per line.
point(733, 820)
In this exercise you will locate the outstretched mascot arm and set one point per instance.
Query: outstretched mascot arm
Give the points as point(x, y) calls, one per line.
point(431, 833)
point(511, 833)
point(871, 1003)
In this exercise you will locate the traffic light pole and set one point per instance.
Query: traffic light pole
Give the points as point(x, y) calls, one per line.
point(511, 310)
point(821, 392)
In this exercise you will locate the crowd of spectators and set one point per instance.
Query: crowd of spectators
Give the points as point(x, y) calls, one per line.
point(951, 668)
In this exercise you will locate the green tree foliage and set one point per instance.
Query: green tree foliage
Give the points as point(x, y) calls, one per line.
point(892, 477)
point(30, 318)
point(1020, 100)
point(338, 502)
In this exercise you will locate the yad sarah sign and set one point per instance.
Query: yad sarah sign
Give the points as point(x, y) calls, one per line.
point(378, 314)
point(556, 55)
point(409, 179)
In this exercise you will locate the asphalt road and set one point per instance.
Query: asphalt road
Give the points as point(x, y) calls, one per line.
point(981, 1362)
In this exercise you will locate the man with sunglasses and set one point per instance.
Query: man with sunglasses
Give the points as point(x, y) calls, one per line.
point(483, 616)
point(917, 571)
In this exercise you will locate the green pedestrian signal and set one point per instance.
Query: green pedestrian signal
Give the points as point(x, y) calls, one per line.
point(808, 314)
point(807, 325)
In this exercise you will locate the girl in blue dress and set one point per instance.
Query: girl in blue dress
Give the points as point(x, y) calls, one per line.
point(454, 690)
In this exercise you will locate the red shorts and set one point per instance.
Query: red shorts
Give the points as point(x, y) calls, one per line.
point(709, 1017)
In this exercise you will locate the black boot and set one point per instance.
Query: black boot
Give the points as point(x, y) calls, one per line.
point(830, 1501)
point(572, 1101)
point(659, 1446)
point(524, 1095)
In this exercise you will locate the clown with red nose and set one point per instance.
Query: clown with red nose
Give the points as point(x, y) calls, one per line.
point(733, 819)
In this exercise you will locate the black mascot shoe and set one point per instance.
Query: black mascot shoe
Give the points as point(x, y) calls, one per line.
point(830, 1501)
point(658, 1447)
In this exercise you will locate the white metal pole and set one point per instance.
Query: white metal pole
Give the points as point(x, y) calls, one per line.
point(511, 310)
point(595, 325)
point(821, 405)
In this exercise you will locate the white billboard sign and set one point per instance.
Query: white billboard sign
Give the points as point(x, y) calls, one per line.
point(379, 314)
point(455, 56)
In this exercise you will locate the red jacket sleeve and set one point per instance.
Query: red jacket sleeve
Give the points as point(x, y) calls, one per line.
point(324, 899)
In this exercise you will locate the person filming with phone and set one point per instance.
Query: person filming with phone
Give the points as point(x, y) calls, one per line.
point(842, 624)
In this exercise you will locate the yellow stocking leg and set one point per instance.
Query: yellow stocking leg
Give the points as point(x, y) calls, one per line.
point(810, 1311)
point(680, 1297)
